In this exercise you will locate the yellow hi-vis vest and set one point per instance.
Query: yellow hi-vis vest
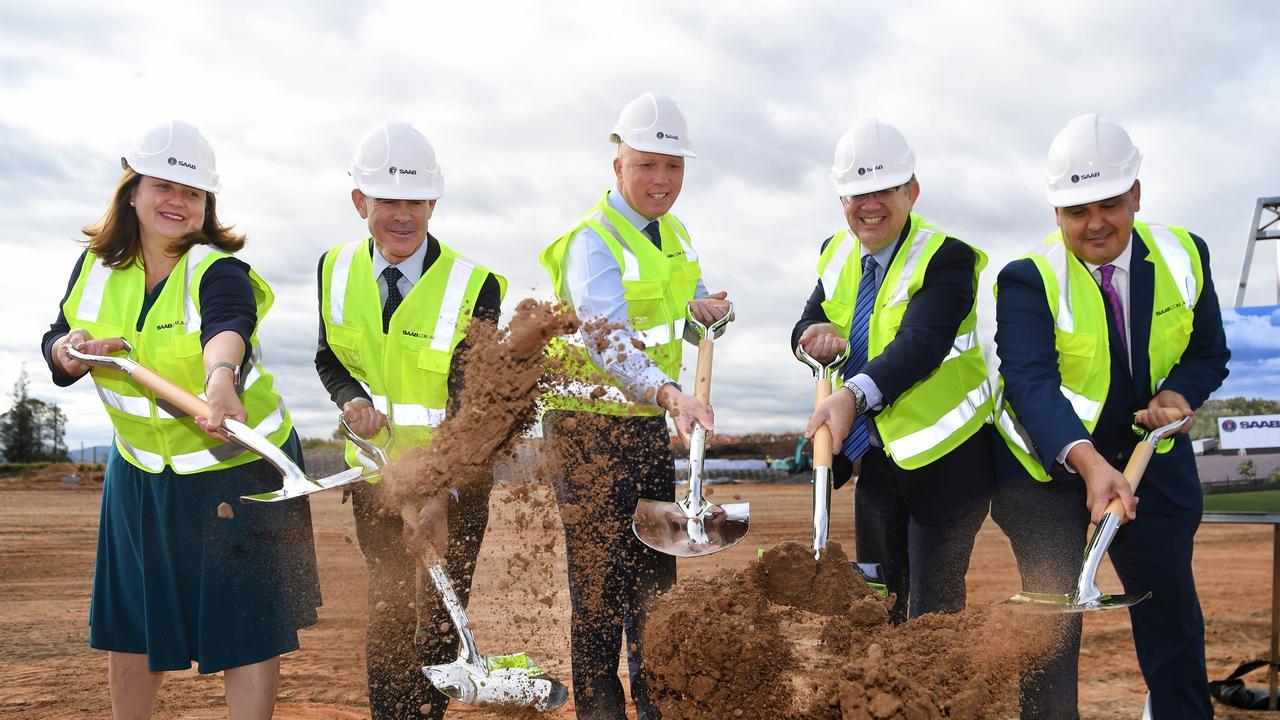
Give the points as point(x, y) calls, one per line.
point(944, 409)
point(657, 285)
point(153, 434)
point(1080, 327)
point(406, 370)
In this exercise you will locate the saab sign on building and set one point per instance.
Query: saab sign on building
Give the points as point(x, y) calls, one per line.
point(1249, 432)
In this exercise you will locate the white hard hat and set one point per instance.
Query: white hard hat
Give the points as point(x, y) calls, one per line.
point(1091, 159)
point(653, 122)
point(174, 151)
point(396, 162)
point(871, 156)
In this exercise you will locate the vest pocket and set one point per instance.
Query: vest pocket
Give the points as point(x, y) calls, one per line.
point(644, 300)
point(1076, 353)
point(434, 360)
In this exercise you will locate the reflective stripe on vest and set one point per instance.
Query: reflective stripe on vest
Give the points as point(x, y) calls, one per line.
point(107, 303)
point(658, 282)
point(1177, 283)
point(935, 415)
point(404, 370)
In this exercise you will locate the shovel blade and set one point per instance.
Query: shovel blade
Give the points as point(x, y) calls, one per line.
point(508, 687)
point(302, 489)
point(664, 527)
point(1065, 604)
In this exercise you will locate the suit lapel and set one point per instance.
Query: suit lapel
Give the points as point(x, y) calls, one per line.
point(1141, 291)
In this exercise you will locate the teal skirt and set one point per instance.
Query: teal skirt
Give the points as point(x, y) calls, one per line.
point(181, 584)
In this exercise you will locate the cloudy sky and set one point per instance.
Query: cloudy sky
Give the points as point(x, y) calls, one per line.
point(518, 98)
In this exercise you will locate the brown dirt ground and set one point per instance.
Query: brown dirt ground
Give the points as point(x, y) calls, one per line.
point(47, 670)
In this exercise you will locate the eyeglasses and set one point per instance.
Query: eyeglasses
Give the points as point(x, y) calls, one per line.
point(878, 195)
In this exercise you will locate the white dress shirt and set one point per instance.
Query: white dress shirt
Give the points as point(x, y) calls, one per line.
point(410, 270)
point(593, 286)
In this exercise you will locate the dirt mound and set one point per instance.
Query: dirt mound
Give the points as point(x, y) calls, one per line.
point(794, 637)
point(59, 476)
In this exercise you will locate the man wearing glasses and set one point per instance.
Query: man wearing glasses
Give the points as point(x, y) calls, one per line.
point(914, 408)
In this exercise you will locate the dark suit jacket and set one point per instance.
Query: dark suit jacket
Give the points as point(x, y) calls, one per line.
point(1029, 366)
point(925, 337)
point(337, 380)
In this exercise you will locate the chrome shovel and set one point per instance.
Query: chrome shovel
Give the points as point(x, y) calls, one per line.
point(822, 452)
point(296, 482)
point(479, 680)
point(1087, 597)
point(694, 527)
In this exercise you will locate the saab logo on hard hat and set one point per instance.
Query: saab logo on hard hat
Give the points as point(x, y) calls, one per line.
point(403, 171)
point(183, 163)
point(1228, 425)
point(668, 136)
point(1087, 176)
point(864, 170)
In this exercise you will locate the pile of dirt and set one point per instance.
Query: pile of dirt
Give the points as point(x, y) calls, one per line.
point(793, 637)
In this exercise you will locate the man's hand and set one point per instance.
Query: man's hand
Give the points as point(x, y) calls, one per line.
point(426, 530)
point(363, 418)
point(710, 309)
point(823, 342)
point(1103, 483)
point(1165, 408)
point(685, 411)
point(837, 413)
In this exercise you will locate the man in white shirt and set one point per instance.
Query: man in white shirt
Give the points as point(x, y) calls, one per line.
point(629, 270)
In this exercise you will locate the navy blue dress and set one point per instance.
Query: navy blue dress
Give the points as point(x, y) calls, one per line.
point(173, 579)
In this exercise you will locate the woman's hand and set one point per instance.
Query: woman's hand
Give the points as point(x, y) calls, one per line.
point(81, 341)
point(224, 403)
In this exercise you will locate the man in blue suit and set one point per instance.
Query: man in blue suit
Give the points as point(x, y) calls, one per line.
point(1109, 323)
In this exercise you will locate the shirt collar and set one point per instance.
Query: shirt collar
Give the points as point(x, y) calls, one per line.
point(1121, 263)
point(617, 202)
point(885, 255)
point(410, 267)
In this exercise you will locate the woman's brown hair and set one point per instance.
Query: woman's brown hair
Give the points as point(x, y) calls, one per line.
point(117, 240)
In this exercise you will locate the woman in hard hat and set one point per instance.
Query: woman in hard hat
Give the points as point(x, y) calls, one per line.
point(181, 576)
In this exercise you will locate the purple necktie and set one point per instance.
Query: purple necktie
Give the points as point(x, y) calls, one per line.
point(1117, 309)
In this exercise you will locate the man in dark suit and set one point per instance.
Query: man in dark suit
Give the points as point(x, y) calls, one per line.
point(916, 400)
point(393, 294)
point(1110, 322)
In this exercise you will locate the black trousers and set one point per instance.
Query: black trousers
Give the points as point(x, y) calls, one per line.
point(1047, 524)
point(920, 524)
point(397, 686)
point(606, 465)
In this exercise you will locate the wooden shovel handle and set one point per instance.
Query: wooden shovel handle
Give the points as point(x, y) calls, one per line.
point(1133, 471)
point(163, 387)
point(822, 437)
point(702, 376)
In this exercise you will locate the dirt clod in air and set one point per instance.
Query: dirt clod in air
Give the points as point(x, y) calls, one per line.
point(225, 512)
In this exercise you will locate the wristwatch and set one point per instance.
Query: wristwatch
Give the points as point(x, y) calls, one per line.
point(859, 397)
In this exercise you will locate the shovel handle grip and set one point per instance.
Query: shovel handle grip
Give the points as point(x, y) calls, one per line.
point(702, 376)
point(822, 437)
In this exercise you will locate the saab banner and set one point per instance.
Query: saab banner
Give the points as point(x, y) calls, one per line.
point(1249, 432)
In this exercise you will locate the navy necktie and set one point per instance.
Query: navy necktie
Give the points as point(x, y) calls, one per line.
point(654, 233)
point(859, 437)
point(392, 275)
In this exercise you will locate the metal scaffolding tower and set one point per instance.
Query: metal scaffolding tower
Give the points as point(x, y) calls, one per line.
point(1260, 230)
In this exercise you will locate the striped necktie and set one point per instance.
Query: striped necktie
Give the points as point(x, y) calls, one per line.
point(392, 275)
point(859, 438)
